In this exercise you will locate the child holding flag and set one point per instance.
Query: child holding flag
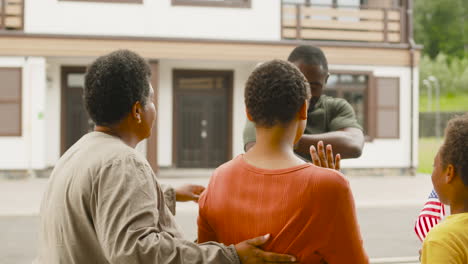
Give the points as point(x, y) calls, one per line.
point(448, 241)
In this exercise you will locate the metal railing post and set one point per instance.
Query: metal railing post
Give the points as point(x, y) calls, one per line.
point(428, 85)
point(298, 21)
point(385, 13)
point(437, 103)
point(403, 21)
point(2, 14)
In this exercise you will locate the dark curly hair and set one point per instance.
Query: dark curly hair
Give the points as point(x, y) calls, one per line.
point(454, 150)
point(274, 93)
point(113, 83)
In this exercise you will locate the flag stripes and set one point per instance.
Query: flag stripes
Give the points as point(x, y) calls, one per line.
point(431, 215)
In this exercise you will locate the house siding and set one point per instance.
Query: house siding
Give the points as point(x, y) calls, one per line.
point(154, 18)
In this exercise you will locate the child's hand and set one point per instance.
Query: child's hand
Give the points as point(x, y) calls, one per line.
point(326, 161)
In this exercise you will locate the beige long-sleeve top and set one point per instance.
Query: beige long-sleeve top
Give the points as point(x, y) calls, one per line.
point(103, 204)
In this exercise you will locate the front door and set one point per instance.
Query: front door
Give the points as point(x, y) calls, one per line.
point(202, 125)
point(75, 119)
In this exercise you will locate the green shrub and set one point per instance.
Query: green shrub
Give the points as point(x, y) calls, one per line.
point(451, 72)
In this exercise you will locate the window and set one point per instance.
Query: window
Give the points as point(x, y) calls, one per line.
point(10, 101)
point(213, 3)
point(201, 83)
point(349, 3)
point(109, 1)
point(382, 3)
point(354, 88)
point(325, 3)
point(374, 100)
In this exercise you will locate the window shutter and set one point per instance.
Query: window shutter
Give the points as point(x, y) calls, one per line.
point(10, 101)
point(387, 107)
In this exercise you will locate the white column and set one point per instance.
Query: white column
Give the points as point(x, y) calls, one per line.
point(34, 77)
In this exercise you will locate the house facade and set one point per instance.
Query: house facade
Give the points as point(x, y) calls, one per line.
point(201, 53)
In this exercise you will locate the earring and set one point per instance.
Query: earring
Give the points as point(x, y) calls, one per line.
point(139, 121)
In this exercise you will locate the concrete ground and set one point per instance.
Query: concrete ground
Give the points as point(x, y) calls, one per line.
point(386, 207)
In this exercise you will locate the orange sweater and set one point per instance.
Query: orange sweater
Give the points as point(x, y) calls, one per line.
point(309, 211)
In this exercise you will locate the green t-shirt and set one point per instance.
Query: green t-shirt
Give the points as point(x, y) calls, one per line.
point(328, 114)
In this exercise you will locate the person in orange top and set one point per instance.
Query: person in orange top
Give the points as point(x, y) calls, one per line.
point(308, 210)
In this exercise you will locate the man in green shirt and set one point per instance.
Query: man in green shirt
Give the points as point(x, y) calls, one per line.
point(331, 120)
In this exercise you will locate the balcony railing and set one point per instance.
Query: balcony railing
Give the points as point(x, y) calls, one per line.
point(11, 14)
point(343, 23)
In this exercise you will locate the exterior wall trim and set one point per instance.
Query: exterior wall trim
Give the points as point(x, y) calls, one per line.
point(107, 1)
point(225, 3)
point(165, 48)
point(321, 43)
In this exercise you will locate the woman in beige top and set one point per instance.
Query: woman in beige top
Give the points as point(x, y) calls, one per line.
point(103, 203)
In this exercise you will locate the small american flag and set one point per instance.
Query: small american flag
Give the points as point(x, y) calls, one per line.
point(430, 216)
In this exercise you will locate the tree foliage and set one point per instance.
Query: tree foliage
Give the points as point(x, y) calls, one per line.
point(442, 26)
point(452, 74)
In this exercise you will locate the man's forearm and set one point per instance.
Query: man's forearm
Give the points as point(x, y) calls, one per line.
point(348, 143)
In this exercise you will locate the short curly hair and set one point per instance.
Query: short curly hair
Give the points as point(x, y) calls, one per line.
point(454, 150)
point(274, 93)
point(113, 84)
point(308, 55)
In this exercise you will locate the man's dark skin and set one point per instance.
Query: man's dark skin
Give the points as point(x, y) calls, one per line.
point(348, 142)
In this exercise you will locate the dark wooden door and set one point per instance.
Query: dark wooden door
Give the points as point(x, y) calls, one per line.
point(75, 119)
point(202, 118)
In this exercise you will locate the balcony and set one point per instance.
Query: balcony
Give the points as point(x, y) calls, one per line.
point(359, 23)
point(11, 15)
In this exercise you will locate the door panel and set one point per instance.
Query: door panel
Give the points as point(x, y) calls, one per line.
point(190, 117)
point(216, 114)
point(75, 119)
point(202, 112)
